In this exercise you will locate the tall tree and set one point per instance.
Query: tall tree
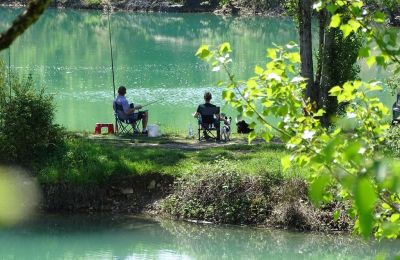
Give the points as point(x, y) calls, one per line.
point(336, 58)
point(304, 16)
point(32, 13)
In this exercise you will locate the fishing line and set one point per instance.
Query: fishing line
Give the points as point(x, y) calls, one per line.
point(161, 99)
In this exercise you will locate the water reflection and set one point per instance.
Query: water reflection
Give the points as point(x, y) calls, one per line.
point(105, 237)
point(68, 51)
point(251, 243)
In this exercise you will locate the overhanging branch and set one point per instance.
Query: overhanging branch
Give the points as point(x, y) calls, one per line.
point(34, 10)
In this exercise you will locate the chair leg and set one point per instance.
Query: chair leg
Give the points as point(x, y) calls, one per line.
point(199, 134)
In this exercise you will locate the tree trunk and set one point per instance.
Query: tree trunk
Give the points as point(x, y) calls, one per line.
point(312, 92)
point(325, 84)
point(320, 77)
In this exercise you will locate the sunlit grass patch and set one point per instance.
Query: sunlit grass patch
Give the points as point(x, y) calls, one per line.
point(97, 161)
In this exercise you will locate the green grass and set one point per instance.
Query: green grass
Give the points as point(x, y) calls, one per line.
point(85, 160)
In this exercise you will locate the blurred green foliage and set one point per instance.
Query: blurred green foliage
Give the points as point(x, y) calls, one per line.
point(349, 160)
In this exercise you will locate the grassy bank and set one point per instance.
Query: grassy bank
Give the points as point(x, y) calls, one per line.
point(182, 179)
point(91, 161)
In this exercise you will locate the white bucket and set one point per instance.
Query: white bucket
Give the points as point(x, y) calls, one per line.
point(153, 130)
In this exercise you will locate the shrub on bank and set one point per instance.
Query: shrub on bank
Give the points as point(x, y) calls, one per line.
point(27, 132)
point(219, 194)
point(392, 141)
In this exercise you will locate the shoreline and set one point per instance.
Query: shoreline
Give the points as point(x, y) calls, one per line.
point(151, 195)
point(159, 6)
point(149, 6)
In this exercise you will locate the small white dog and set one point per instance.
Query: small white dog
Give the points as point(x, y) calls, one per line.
point(226, 129)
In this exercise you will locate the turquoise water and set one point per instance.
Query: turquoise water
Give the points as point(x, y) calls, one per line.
point(68, 52)
point(124, 237)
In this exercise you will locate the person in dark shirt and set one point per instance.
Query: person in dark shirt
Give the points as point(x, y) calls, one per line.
point(207, 103)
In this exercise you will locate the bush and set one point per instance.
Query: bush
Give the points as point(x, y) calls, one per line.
point(392, 141)
point(27, 131)
point(220, 194)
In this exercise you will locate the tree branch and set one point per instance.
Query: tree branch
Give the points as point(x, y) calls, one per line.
point(34, 10)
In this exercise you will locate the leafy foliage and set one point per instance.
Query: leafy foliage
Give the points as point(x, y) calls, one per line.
point(27, 131)
point(336, 156)
point(392, 141)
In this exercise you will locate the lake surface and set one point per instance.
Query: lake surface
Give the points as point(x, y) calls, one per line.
point(68, 51)
point(123, 237)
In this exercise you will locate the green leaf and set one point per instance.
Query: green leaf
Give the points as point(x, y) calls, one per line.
point(267, 136)
point(341, 2)
point(203, 52)
point(364, 52)
point(379, 17)
point(357, 4)
point(371, 61)
point(286, 162)
point(317, 188)
point(294, 57)
point(335, 21)
point(251, 137)
point(380, 60)
point(336, 215)
point(355, 25)
point(335, 91)
point(227, 95)
point(258, 70)
point(332, 8)
point(271, 53)
point(365, 199)
point(252, 83)
point(224, 48)
point(395, 217)
point(346, 29)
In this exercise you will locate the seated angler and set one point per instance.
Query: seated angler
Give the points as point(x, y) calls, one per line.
point(129, 112)
point(202, 115)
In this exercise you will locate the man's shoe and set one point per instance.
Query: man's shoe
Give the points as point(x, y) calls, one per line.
point(145, 132)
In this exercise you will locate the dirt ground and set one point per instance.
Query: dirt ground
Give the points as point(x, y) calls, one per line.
point(173, 141)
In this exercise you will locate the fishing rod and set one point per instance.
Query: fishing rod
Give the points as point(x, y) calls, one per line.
point(111, 50)
point(156, 101)
point(112, 60)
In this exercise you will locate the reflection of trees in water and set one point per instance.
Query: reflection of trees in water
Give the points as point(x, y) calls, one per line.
point(88, 29)
point(78, 40)
point(83, 236)
point(209, 241)
point(77, 237)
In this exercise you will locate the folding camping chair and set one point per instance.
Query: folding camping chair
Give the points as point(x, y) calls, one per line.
point(209, 122)
point(124, 127)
